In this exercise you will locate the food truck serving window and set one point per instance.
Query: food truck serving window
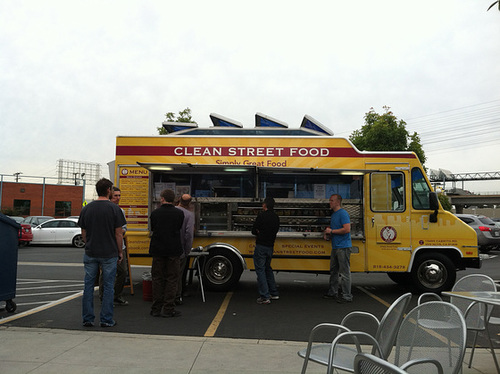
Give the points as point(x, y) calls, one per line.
point(306, 184)
point(235, 181)
point(203, 180)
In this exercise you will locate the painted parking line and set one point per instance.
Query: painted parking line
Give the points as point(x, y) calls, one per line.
point(64, 264)
point(219, 316)
point(374, 296)
point(42, 308)
point(43, 293)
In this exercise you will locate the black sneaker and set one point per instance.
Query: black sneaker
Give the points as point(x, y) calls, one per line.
point(172, 313)
point(120, 301)
point(155, 314)
point(341, 300)
point(330, 297)
point(263, 300)
point(88, 324)
point(105, 324)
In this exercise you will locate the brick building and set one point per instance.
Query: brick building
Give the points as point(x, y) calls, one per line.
point(35, 199)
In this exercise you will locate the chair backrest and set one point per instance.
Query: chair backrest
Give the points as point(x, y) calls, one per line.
point(389, 325)
point(365, 363)
point(443, 342)
point(474, 317)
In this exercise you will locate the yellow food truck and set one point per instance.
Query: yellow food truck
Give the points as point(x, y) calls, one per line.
point(397, 224)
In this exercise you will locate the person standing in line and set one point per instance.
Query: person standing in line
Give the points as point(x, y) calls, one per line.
point(101, 222)
point(265, 228)
point(187, 235)
point(122, 267)
point(339, 233)
point(166, 248)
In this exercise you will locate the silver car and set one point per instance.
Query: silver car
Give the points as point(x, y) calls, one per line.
point(36, 220)
point(488, 233)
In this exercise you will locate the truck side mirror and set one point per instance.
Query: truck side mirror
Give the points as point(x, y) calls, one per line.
point(434, 205)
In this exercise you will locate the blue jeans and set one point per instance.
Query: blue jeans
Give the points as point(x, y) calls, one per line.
point(108, 266)
point(340, 266)
point(262, 257)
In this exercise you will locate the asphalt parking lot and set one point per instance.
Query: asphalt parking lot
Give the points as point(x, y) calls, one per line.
point(49, 288)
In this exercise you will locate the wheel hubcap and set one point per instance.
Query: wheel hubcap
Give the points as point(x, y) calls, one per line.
point(219, 269)
point(432, 275)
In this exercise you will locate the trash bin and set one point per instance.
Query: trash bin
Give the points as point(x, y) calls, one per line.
point(147, 286)
point(9, 239)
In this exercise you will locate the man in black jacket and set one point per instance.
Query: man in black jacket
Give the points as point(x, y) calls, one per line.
point(265, 227)
point(166, 249)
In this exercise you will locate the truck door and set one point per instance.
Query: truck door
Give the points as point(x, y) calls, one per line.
point(388, 229)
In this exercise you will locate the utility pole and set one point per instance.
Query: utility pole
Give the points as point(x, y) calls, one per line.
point(17, 176)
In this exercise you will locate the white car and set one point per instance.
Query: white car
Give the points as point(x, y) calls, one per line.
point(58, 231)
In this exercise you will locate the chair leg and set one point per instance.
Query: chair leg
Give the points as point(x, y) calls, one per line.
point(492, 350)
point(473, 349)
point(304, 366)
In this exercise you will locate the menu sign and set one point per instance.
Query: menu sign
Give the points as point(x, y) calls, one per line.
point(134, 186)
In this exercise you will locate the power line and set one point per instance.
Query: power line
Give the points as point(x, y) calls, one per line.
point(461, 128)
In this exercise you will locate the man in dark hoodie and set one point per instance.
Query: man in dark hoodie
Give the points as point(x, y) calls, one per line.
point(166, 249)
point(265, 227)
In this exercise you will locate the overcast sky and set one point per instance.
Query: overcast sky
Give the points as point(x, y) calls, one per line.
point(75, 74)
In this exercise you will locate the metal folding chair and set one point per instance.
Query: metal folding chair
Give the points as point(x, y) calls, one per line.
point(340, 355)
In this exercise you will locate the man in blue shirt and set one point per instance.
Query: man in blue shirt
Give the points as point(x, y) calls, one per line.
point(340, 234)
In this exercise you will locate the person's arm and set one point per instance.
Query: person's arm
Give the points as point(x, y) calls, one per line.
point(189, 233)
point(256, 225)
point(84, 235)
point(345, 229)
point(119, 242)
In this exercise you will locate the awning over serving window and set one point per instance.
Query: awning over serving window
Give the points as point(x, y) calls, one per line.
point(187, 168)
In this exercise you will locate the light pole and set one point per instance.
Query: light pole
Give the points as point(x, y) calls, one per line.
point(17, 176)
point(83, 192)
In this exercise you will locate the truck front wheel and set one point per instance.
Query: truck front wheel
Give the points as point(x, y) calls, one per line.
point(222, 270)
point(400, 278)
point(433, 272)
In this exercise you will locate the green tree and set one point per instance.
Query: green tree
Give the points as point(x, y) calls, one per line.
point(184, 116)
point(445, 202)
point(384, 132)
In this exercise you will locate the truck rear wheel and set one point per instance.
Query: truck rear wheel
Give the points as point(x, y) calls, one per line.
point(222, 270)
point(433, 272)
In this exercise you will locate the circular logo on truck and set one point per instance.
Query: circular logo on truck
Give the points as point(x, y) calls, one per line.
point(124, 171)
point(388, 234)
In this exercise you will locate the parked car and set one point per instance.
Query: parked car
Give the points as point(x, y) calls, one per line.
point(36, 220)
point(18, 219)
point(64, 231)
point(488, 233)
point(497, 221)
point(26, 235)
